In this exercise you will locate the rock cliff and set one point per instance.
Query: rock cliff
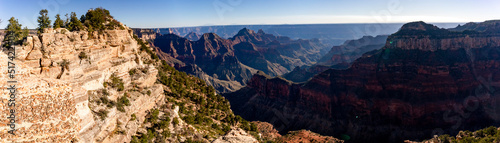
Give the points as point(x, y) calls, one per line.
point(57, 73)
point(228, 64)
point(425, 81)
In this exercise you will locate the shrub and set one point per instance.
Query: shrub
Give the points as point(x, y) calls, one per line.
point(163, 124)
point(97, 18)
point(122, 102)
point(104, 92)
point(176, 121)
point(133, 117)
point(166, 133)
point(116, 82)
point(102, 114)
point(132, 72)
point(82, 55)
point(490, 131)
point(104, 100)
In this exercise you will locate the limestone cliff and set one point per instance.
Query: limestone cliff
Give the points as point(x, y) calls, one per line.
point(57, 73)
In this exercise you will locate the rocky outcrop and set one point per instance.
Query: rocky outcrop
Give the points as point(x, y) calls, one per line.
point(425, 81)
point(146, 34)
point(58, 71)
point(304, 136)
point(236, 136)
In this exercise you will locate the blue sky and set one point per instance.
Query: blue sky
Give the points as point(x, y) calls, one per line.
point(181, 13)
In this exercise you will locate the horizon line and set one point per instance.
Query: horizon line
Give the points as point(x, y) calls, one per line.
point(348, 23)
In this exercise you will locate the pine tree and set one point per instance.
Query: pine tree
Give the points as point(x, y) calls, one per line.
point(14, 32)
point(25, 32)
point(82, 18)
point(74, 24)
point(58, 23)
point(66, 22)
point(43, 21)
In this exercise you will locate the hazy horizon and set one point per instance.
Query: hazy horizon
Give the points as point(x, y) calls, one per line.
point(172, 14)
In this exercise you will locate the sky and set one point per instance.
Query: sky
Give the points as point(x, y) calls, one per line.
point(186, 13)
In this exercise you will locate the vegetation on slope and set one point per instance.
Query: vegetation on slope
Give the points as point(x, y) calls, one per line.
point(199, 107)
point(486, 135)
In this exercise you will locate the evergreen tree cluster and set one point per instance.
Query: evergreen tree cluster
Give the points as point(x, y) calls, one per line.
point(97, 19)
point(13, 33)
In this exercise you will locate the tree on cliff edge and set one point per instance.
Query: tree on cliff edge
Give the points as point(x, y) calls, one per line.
point(58, 23)
point(74, 23)
point(43, 21)
point(14, 32)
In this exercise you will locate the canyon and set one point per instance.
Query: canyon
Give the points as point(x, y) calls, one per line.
point(228, 64)
point(339, 57)
point(108, 85)
point(425, 80)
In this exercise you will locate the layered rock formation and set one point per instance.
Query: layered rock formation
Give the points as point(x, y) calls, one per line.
point(56, 73)
point(425, 81)
point(236, 136)
point(228, 64)
point(352, 50)
point(339, 57)
point(269, 133)
point(146, 34)
point(210, 55)
point(328, 34)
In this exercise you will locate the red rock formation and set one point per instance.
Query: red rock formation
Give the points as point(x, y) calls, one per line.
point(425, 81)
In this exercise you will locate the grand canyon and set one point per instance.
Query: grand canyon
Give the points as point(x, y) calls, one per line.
point(250, 71)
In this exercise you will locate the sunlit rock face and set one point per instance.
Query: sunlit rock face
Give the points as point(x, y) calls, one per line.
point(56, 81)
point(228, 64)
point(424, 81)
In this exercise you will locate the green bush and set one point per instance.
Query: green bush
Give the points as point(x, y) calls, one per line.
point(175, 121)
point(97, 18)
point(104, 92)
point(153, 116)
point(163, 124)
point(82, 55)
point(166, 133)
point(133, 117)
point(132, 72)
point(116, 82)
point(102, 114)
point(122, 102)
